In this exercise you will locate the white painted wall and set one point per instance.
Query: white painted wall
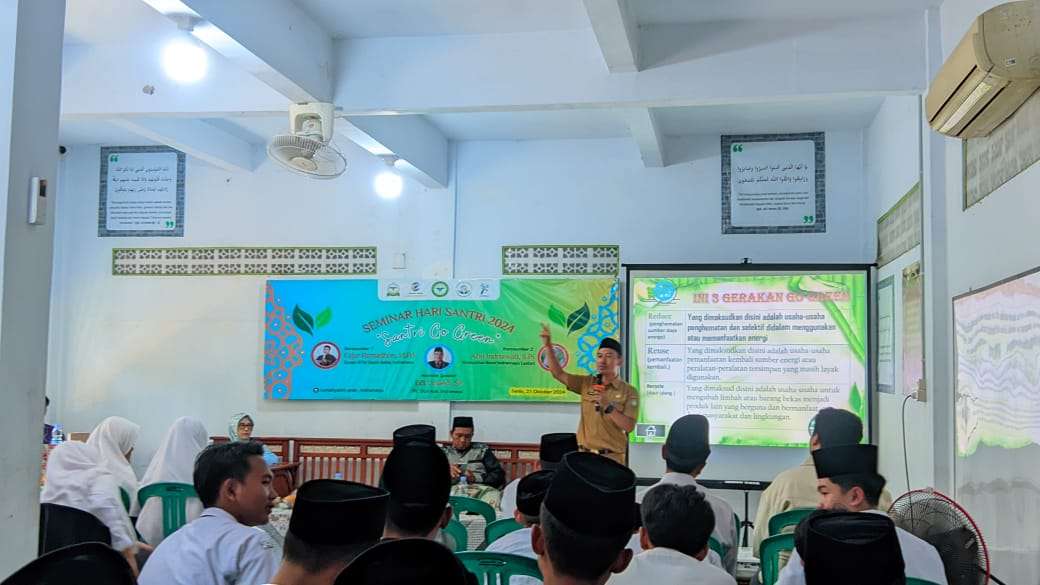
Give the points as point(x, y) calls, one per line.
point(153, 349)
point(30, 93)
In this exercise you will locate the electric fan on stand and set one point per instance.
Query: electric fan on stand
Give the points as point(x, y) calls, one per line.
point(941, 522)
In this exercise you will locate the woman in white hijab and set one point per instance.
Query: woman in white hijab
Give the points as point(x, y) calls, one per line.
point(114, 440)
point(174, 462)
point(77, 479)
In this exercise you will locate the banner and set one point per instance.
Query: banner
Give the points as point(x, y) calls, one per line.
point(464, 340)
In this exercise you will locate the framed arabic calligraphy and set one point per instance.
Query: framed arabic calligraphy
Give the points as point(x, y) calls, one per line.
point(141, 192)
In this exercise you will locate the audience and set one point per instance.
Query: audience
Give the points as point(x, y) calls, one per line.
point(222, 546)
point(849, 548)
point(685, 453)
point(174, 462)
point(849, 482)
point(796, 488)
point(586, 520)
point(529, 496)
point(332, 522)
point(677, 521)
point(76, 478)
point(552, 448)
point(476, 461)
point(114, 440)
point(421, 433)
point(240, 428)
point(91, 562)
point(418, 478)
point(409, 561)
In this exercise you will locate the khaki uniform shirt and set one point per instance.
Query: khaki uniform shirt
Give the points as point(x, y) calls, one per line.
point(595, 430)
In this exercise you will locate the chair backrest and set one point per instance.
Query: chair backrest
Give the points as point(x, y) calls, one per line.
point(492, 568)
point(459, 534)
point(62, 526)
point(174, 498)
point(715, 545)
point(461, 504)
point(125, 496)
point(500, 528)
point(787, 518)
point(915, 581)
point(769, 556)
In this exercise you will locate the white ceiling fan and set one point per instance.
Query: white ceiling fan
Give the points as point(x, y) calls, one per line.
point(308, 148)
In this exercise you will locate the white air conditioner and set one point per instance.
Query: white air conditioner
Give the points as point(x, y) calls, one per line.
point(993, 70)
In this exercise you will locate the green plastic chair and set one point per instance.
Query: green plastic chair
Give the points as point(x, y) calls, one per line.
point(788, 518)
point(458, 533)
point(461, 504)
point(769, 555)
point(492, 568)
point(125, 496)
point(174, 498)
point(716, 546)
point(500, 528)
point(736, 533)
point(913, 581)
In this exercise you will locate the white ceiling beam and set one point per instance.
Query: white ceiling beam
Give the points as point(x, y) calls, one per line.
point(196, 138)
point(273, 39)
point(617, 33)
point(642, 123)
point(421, 148)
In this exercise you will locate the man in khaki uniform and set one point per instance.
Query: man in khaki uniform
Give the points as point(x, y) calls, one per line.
point(609, 405)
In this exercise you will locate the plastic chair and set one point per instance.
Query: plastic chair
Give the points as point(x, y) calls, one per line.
point(493, 568)
point(125, 496)
point(174, 498)
point(458, 533)
point(500, 528)
point(62, 526)
point(913, 581)
point(716, 546)
point(769, 554)
point(788, 518)
point(461, 504)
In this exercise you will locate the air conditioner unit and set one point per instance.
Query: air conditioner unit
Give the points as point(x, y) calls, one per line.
point(993, 70)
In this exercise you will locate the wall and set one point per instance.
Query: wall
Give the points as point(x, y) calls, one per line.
point(992, 240)
point(190, 344)
point(893, 167)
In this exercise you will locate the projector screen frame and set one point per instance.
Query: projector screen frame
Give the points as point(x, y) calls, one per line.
point(869, 271)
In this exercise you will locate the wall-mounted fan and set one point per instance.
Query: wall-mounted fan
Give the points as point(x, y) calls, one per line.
point(308, 149)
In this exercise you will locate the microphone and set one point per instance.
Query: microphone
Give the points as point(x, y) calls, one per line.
point(599, 379)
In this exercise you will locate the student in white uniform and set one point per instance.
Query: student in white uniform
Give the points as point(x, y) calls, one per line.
point(77, 479)
point(223, 546)
point(409, 561)
point(418, 477)
point(685, 453)
point(529, 495)
point(677, 521)
point(333, 521)
point(849, 548)
point(848, 481)
point(115, 439)
point(552, 448)
point(172, 463)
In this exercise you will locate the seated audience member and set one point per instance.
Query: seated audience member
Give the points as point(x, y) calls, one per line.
point(77, 479)
point(476, 461)
point(849, 482)
point(222, 546)
point(332, 522)
point(586, 520)
point(241, 429)
point(417, 476)
point(685, 453)
point(849, 548)
point(796, 487)
point(636, 546)
point(409, 561)
point(677, 521)
point(529, 496)
point(174, 462)
point(551, 450)
point(47, 429)
point(115, 438)
point(421, 433)
point(90, 562)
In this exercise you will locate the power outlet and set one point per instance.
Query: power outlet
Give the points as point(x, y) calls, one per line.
point(921, 394)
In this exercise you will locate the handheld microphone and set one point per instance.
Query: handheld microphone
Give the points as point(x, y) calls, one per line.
point(599, 379)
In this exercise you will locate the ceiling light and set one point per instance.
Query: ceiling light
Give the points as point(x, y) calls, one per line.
point(184, 61)
point(388, 185)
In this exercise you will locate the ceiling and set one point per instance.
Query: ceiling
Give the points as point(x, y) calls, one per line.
point(652, 12)
point(113, 21)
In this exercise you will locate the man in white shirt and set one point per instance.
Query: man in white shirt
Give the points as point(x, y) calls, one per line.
point(677, 521)
point(848, 481)
point(333, 521)
point(223, 545)
point(685, 453)
point(529, 495)
point(849, 548)
point(418, 477)
point(551, 450)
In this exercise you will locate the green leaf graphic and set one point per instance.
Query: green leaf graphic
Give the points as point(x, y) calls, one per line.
point(323, 317)
point(557, 316)
point(303, 320)
point(578, 319)
point(856, 401)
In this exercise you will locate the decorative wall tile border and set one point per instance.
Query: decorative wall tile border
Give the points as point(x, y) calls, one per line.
point(561, 259)
point(244, 261)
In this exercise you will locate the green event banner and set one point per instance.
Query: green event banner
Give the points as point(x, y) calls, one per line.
point(464, 340)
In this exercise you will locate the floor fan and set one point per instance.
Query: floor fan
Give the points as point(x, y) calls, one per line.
point(943, 523)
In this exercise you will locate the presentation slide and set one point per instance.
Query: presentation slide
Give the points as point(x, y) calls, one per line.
point(757, 352)
point(997, 413)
